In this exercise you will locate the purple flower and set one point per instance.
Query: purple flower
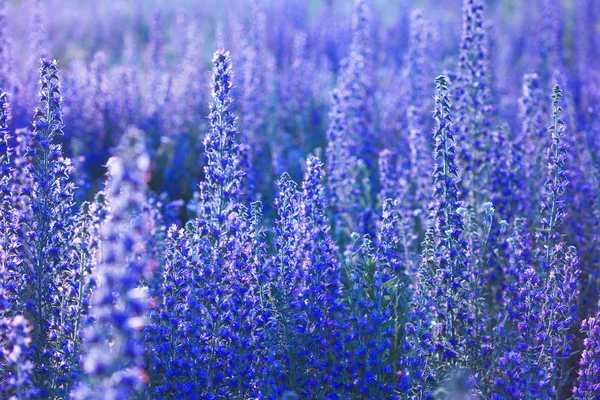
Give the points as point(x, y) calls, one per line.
point(343, 185)
point(473, 101)
point(588, 379)
point(48, 263)
point(15, 377)
point(457, 294)
point(541, 288)
point(114, 356)
point(17, 368)
point(357, 86)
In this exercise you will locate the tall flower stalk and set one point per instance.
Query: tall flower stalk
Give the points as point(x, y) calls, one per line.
point(588, 380)
point(114, 355)
point(457, 293)
point(16, 367)
point(473, 97)
point(46, 223)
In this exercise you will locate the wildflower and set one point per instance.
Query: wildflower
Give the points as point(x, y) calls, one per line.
point(15, 353)
point(357, 86)
point(473, 101)
point(114, 357)
point(15, 377)
point(457, 298)
point(588, 379)
point(342, 175)
point(557, 266)
point(541, 299)
point(47, 220)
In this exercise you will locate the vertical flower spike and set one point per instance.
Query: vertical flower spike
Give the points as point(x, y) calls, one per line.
point(420, 151)
point(557, 267)
point(354, 101)
point(541, 288)
point(48, 120)
point(418, 364)
point(114, 360)
point(322, 273)
point(506, 188)
point(357, 86)
point(15, 373)
point(84, 237)
point(47, 221)
point(6, 209)
point(222, 185)
point(306, 293)
point(417, 112)
point(361, 26)
point(389, 177)
point(456, 309)
point(532, 112)
point(298, 88)
point(167, 336)
point(263, 275)
point(157, 90)
point(286, 259)
point(380, 296)
point(393, 197)
point(588, 380)
point(320, 263)
point(552, 210)
point(342, 185)
point(517, 361)
point(215, 321)
point(473, 101)
point(6, 172)
point(337, 152)
point(286, 239)
point(533, 140)
point(445, 175)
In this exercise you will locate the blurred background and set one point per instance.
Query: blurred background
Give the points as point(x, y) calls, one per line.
point(147, 63)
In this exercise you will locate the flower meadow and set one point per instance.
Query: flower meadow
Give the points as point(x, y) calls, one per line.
point(294, 199)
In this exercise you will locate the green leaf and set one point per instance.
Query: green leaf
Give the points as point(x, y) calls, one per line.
point(391, 282)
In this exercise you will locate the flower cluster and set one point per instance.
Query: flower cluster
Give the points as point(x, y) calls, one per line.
point(324, 221)
point(47, 259)
point(473, 100)
point(15, 373)
point(588, 381)
point(114, 348)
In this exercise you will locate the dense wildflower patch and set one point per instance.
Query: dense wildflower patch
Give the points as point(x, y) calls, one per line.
point(300, 200)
